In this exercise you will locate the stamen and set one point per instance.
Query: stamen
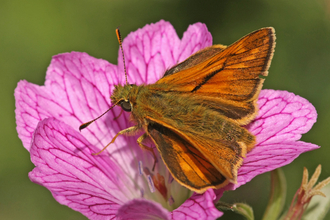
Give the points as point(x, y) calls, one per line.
point(159, 182)
point(146, 171)
point(170, 179)
point(140, 168)
point(151, 184)
point(156, 181)
point(148, 175)
point(170, 201)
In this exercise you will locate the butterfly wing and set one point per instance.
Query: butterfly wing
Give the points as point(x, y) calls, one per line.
point(193, 114)
point(228, 81)
point(186, 164)
point(195, 59)
point(200, 147)
point(200, 151)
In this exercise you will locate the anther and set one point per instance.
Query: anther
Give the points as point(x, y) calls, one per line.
point(170, 201)
point(151, 184)
point(140, 168)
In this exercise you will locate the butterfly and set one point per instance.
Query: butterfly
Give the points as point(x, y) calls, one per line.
point(194, 114)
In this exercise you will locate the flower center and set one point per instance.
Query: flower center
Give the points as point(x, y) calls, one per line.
point(162, 188)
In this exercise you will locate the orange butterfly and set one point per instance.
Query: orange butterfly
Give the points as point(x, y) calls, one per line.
point(194, 113)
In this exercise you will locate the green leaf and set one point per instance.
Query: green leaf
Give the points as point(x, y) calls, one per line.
point(244, 209)
point(240, 208)
point(277, 195)
point(318, 206)
point(223, 206)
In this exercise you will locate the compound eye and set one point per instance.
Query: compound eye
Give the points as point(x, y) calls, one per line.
point(125, 105)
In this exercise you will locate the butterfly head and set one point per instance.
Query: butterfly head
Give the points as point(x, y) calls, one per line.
point(124, 96)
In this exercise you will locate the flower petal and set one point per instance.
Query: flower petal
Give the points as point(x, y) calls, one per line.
point(282, 119)
point(142, 209)
point(27, 112)
point(283, 116)
point(269, 157)
point(148, 52)
point(92, 185)
point(77, 90)
point(198, 206)
point(82, 85)
point(194, 39)
point(156, 47)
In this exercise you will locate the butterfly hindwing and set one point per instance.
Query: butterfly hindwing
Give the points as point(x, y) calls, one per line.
point(186, 164)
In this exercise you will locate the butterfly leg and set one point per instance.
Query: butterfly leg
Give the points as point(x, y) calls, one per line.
point(139, 141)
point(127, 131)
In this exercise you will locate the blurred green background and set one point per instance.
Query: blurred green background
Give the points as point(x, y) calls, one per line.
point(31, 32)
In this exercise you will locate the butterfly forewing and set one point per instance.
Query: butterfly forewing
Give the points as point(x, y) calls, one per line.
point(229, 77)
point(195, 59)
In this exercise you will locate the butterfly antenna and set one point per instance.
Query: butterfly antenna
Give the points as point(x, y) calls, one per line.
point(85, 125)
point(122, 51)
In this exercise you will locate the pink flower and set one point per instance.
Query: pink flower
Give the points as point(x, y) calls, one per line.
point(109, 186)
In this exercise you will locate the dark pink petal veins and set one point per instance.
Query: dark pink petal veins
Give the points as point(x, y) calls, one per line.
point(83, 85)
point(77, 89)
point(198, 206)
point(92, 185)
point(142, 209)
point(150, 51)
point(196, 37)
point(28, 111)
point(283, 117)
